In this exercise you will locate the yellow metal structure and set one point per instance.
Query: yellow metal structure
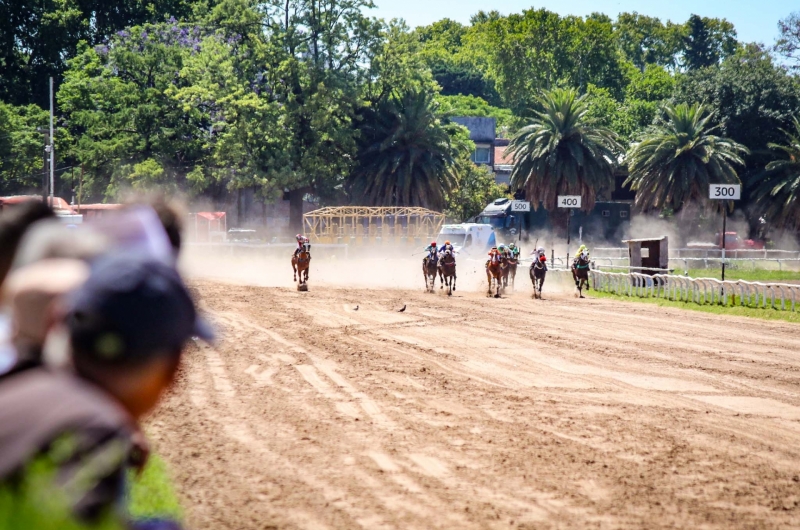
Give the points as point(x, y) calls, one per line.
point(366, 225)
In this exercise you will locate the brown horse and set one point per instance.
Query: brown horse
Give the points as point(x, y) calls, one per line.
point(538, 273)
point(429, 269)
point(447, 272)
point(510, 271)
point(301, 262)
point(580, 272)
point(495, 267)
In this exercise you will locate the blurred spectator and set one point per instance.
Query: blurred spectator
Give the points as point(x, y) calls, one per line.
point(51, 260)
point(127, 326)
point(170, 212)
point(30, 293)
point(14, 222)
point(53, 239)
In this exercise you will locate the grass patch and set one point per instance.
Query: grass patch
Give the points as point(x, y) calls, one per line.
point(152, 495)
point(764, 314)
point(748, 275)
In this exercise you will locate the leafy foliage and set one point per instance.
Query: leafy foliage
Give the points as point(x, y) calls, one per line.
point(788, 44)
point(562, 152)
point(453, 106)
point(21, 145)
point(707, 41)
point(777, 189)
point(476, 188)
point(38, 38)
point(751, 99)
point(675, 163)
point(407, 156)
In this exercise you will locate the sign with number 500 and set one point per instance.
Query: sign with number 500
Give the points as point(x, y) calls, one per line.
point(725, 192)
point(520, 206)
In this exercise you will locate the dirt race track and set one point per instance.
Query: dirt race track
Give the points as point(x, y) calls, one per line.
point(471, 412)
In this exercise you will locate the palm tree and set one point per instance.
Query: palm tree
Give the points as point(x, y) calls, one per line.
point(562, 152)
point(406, 155)
point(777, 189)
point(678, 159)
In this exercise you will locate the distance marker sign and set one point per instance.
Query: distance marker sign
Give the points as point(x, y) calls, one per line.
point(725, 192)
point(569, 201)
point(520, 206)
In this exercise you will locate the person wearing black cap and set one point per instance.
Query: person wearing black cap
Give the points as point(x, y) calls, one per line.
point(127, 325)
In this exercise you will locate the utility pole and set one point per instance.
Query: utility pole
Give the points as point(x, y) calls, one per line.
point(45, 161)
point(52, 149)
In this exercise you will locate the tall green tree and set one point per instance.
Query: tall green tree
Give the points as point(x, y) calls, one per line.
point(788, 43)
point(563, 152)
point(407, 155)
point(538, 49)
point(776, 190)
point(648, 41)
point(751, 98)
point(21, 147)
point(37, 38)
point(129, 130)
point(675, 163)
point(316, 74)
point(707, 41)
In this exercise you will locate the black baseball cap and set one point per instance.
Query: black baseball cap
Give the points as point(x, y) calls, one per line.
point(131, 309)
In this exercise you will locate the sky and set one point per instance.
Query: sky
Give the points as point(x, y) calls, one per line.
point(755, 20)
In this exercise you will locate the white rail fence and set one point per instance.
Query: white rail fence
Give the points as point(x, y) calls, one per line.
point(784, 297)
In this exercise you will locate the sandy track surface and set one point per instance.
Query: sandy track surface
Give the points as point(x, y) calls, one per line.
point(471, 412)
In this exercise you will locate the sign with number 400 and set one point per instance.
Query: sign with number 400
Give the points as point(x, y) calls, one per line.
point(569, 201)
point(725, 192)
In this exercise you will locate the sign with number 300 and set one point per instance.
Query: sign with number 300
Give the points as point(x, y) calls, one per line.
point(725, 192)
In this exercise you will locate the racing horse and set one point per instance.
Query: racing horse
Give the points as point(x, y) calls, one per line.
point(580, 272)
point(429, 269)
point(301, 262)
point(447, 272)
point(495, 268)
point(510, 270)
point(538, 273)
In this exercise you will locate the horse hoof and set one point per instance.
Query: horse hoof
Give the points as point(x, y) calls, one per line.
point(497, 296)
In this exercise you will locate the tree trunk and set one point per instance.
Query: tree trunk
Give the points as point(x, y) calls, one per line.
point(296, 210)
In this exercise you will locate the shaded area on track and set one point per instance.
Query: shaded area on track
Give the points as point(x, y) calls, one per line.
point(470, 412)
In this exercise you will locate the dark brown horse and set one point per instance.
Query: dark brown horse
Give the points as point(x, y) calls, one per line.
point(580, 272)
point(447, 272)
point(429, 268)
point(510, 271)
point(495, 267)
point(301, 262)
point(538, 273)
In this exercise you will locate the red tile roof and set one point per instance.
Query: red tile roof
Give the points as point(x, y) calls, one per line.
point(502, 156)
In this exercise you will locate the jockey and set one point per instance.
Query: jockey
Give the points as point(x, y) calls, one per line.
point(433, 251)
point(444, 248)
point(582, 251)
point(541, 257)
point(514, 250)
point(503, 250)
point(301, 240)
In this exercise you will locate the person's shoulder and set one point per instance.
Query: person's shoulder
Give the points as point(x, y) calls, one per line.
point(58, 396)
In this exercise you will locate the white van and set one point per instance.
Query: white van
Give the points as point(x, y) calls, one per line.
point(471, 240)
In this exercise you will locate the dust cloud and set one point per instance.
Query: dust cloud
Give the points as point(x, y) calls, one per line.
point(332, 270)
